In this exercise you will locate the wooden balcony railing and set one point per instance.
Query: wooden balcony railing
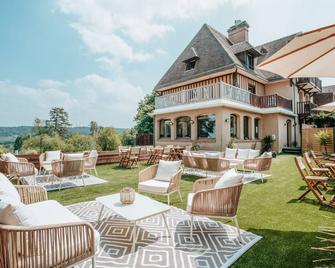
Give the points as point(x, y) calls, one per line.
point(310, 80)
point(305, 107)
point(221, 91)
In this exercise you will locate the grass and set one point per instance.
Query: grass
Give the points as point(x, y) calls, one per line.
point(270, 209)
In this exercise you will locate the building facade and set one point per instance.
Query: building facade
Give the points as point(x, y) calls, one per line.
point(213, 94)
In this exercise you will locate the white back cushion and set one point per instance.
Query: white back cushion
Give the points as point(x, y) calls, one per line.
point(198, 154)
point(230, 153)
point(15, 214)
point(52, 155)
point(229, 178)
point(10, 158)
point(7, 190)
point(187, 153)
point(76, 156)
point(166, 170)
point(253, 153)
point(93, 153)
point(243, 154)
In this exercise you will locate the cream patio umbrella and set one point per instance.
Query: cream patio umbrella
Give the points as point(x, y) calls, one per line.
point(309, 54)
point(329, 107)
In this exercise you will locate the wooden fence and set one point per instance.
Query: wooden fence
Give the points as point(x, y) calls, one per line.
point(104, 158)
point(144, 139)
point(310, 142)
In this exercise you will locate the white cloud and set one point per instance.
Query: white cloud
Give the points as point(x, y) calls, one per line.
point(117, 27)
point(92, 97)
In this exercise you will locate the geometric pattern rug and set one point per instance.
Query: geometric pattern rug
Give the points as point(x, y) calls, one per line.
point(214, 244)
point(68, 182)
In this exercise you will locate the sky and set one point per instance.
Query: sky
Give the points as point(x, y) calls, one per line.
point(97, 59)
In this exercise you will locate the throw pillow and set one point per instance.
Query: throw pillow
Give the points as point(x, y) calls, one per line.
point(229, 178)
point(167, 169)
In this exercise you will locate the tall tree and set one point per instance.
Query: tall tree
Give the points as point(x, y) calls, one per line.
point(108, 139)
point(144, 118)
point(40, 127)
point(94, 128)
point(59, 121)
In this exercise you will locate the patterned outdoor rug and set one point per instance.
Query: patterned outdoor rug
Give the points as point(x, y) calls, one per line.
point(69, 182)
point(214, 244)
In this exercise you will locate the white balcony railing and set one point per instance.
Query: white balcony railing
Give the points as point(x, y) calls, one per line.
point(221, 91)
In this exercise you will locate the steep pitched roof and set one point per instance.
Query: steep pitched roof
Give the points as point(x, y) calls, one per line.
point(212, 58)
point(267, 50)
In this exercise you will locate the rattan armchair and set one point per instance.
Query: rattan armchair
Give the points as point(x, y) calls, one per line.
point(67, 168)
point(90, 161)
point(58, 245)
point(17, 169)
point(259, 164)
point(214, 202)
point(172, 186)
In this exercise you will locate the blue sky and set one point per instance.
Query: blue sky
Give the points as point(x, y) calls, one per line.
point(97, 59)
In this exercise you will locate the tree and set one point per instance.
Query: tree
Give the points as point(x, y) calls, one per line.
point(59, 121)
point(19, 142)
point(108, 139)
point(78, 142)
point(94, 128)
point(128, 137)
point(40, 127)
point(144, 118)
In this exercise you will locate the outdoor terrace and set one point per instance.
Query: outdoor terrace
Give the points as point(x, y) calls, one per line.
point(222, 91)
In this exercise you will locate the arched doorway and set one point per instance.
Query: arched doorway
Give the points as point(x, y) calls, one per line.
point(288, 133)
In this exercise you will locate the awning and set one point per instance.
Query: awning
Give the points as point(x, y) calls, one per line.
point(309, 54)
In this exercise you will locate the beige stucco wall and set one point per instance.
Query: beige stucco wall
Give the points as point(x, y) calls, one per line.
point(282, 88)
point(269, 124)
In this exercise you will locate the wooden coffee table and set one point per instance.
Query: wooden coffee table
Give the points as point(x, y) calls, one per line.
point(142, 208)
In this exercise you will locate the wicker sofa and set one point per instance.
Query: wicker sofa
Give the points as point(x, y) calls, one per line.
point(41, 233)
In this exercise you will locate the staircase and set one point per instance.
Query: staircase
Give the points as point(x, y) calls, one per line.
point(291, 150)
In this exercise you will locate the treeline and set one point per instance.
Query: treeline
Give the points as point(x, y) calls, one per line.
point(54, 134)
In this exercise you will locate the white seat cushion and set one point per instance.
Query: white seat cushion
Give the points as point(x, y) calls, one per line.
point(154, 186)
point(243, 154)
point(51, 212)
point(229, 178)
point(230, 153)
point(10, 158)
point(212, 155)
point(8, 190)
point(166, 170)
point(253, 153)
point(52, 155)
point(189, 202)
point(234, 161)
point(75, 156)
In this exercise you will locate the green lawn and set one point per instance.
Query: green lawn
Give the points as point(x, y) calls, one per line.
point(269, 209)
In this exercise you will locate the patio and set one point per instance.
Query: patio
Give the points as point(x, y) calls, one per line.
point(288, 228)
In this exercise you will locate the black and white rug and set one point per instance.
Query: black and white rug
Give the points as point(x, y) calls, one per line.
point(51, 184)
point(214, 244)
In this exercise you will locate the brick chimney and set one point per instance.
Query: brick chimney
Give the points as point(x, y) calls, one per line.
point(239, 32)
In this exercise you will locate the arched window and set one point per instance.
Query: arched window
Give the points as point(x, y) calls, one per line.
point(257, 126)
point(206, 126)
point(165, 128)
point(183, 127)
point(246, 125)
point(233, 125)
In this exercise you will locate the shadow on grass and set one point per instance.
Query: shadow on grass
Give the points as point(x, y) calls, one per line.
point(283, 249)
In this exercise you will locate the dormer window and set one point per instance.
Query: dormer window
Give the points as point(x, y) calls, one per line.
point(250, 61)
point(190, 64)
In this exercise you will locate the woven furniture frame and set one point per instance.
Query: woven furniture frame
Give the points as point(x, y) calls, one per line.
point(17, 169)
point(259, 164)
point(58, 245)
point(215, 202)
point(150, 172)
point(90, 163)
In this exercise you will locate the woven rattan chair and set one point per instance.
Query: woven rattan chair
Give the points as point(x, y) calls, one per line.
point(214, 202)
point(18, 169)
point(189, 164)
point(45, 166)
point(201, 164)
point(67, 168)
point(172, 186)
point(217, 165)
point(312, 182)
point(90, 161)
point(259, 164)
point(58, 245)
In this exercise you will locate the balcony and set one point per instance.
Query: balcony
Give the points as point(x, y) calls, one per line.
point(309, 84)
point(222, 91)
point(304, 108)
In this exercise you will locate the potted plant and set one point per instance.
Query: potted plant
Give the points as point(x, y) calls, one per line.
point(324, 139)
point(267, 143)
